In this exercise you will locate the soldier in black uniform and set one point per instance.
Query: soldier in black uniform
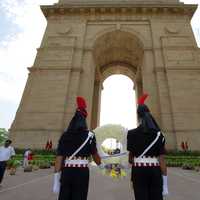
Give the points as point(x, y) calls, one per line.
point(146, 146)
point(71, 178)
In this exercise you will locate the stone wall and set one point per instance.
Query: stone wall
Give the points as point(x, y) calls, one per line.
point(163, 60)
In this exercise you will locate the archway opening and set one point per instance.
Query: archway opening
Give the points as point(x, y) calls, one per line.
point(118, 104)
point(116, 52)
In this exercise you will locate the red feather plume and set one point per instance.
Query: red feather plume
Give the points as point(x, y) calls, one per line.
point(81, 103)
point(142, 99)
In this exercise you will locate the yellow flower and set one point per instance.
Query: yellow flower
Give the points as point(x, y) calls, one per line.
point(123, 173)
point(113, 174)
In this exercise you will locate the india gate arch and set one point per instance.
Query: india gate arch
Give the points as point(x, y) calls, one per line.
point(115, 52)
point(86, 40)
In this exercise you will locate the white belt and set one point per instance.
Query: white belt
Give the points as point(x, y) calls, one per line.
point(146, 161)
point(76, 163)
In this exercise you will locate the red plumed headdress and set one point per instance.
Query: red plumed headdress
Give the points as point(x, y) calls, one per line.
point(142, 99)
point(81, 104)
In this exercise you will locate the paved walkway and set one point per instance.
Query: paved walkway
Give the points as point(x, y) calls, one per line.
point(184, 185)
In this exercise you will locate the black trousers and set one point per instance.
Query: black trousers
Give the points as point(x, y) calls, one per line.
point(147, 183)
point(74, 184)
point(2, 169)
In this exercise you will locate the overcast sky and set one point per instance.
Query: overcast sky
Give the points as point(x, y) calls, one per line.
point(22, 27)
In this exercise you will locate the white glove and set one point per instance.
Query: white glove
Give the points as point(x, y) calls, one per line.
point(129, 166)
point(101, 166)
point(56, 183)
point(165, 186)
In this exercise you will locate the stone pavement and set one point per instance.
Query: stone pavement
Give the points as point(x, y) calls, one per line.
point(184, 185)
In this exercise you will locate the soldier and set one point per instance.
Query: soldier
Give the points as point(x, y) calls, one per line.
point(146, 146)
point(76, 145)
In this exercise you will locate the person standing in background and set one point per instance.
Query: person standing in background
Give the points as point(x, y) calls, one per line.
point(28, 156)
point(6, 152)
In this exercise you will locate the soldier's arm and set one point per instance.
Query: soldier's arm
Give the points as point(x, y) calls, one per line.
point(163, 168)
point(130, 157)
point(163, 165)
point(96, 158)
point(162, 153)
point(94, 151)
point(129, 148)
point(58, 163)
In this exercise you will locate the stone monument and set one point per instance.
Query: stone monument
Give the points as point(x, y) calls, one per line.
point(88, 40)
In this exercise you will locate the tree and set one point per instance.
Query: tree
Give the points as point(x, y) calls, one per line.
point(3, 135)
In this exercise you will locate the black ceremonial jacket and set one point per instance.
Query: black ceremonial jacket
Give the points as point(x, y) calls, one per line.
point(138, 141)
point(71, 141)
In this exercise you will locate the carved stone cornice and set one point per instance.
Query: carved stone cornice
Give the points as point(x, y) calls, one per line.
point(41, 69)
point(92, 9)
point(175, 68)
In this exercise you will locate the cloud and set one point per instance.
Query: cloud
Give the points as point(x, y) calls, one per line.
point(18, 49)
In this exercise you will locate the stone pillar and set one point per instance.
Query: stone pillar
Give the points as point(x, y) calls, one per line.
point(166, 114)
point(96, 104)
point(150, 84)
point(86, 86)
point(138, 88)
point(72, 93)
point(156, 84)
point(165, 104)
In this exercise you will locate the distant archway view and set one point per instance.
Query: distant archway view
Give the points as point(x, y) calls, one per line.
point(118, 103)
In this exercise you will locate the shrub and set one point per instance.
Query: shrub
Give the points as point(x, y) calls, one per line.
point(13, 163)
point(182, 153)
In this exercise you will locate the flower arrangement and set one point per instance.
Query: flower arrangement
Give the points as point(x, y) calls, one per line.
point(115, 171)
